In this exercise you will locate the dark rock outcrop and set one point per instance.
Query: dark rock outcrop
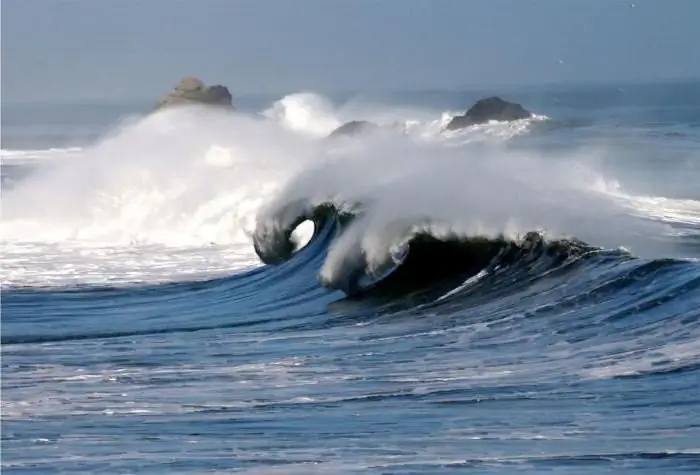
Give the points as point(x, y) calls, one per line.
point(193, 91)
point(491, 108)
point(354, 127)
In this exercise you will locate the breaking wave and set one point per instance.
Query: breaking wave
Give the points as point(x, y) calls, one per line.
point(194, 193)
point(438, 300)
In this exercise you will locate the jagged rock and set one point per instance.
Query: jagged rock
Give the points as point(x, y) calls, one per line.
point(193, 91)
point(491, 108)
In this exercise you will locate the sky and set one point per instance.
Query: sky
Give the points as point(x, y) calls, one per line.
point(66, 50)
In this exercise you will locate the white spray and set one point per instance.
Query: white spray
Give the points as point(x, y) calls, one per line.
point(175, 195)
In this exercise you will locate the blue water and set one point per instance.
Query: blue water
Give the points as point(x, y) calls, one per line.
point(563, 359)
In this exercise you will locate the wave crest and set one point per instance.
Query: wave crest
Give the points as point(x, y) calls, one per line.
point(423, 255)
point(305, 112)
point(403, 193)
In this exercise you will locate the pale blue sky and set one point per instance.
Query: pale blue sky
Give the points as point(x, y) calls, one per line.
point(97, 49)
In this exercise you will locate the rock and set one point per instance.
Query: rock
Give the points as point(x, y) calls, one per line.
point(354, 127)
point(193, 91)
point(491, 108)
point(190, 84)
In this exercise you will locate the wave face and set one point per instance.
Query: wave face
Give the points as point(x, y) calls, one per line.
point(512, 296)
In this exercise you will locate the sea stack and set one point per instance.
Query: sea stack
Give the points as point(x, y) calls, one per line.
point(191, 91)
point(485, 110)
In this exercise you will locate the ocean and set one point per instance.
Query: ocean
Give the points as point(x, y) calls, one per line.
point(206, 291)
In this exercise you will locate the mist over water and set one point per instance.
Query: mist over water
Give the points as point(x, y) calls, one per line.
point(153, 190)
point(144, 200)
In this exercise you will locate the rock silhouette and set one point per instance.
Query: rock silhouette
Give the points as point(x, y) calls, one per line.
point(491, 108)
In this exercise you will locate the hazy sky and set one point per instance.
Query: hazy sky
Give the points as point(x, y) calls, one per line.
point(93, 49)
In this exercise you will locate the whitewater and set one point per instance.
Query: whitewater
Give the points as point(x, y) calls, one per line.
point(176, 194)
